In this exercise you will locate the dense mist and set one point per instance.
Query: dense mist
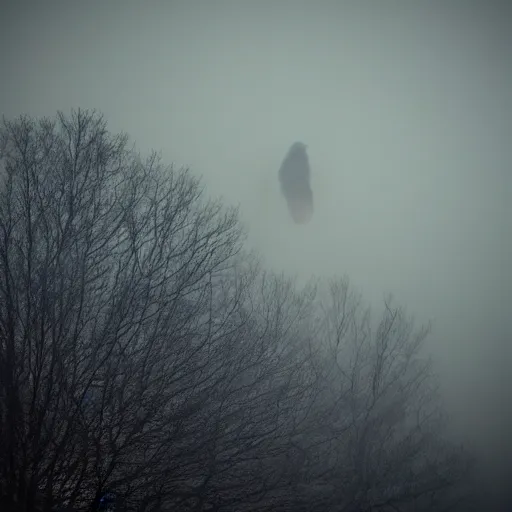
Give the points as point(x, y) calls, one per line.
point(402, 179)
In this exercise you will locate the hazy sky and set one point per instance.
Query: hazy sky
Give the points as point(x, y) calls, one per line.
point(406, 109)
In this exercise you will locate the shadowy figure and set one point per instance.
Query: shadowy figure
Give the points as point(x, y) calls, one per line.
point(294, 178)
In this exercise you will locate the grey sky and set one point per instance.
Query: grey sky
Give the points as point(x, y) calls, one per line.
point(406, 111)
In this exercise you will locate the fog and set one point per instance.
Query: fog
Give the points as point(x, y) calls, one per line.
point(406, 113)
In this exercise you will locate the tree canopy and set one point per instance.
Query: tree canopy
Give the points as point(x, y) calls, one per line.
point(144, 355)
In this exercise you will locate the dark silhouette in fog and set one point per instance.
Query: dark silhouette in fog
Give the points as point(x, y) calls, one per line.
point(294, 178)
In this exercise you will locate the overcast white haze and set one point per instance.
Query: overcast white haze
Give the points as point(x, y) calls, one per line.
point(406, 111)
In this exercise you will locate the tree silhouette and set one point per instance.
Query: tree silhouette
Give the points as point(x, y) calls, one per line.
point(144, 353)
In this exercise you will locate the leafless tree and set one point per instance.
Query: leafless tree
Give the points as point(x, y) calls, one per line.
point(384, 447)
point(107, 265)
point(142, 351)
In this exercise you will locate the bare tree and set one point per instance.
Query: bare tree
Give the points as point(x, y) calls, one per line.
point(143, 352)
point(384, 448)
point(106, 270)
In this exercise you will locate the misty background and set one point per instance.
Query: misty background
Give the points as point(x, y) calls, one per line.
point(406, 111)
